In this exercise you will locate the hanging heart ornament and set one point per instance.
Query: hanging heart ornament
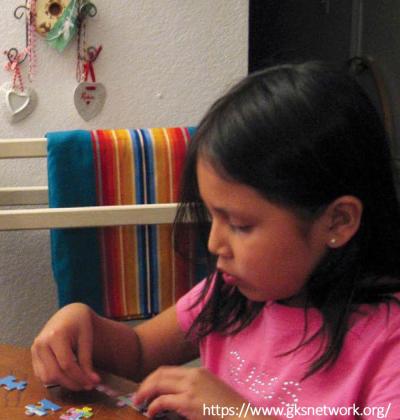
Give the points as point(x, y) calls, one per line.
point(17, 104)
point(89, 99)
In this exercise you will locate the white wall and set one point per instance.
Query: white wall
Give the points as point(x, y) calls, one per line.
point(163, 63)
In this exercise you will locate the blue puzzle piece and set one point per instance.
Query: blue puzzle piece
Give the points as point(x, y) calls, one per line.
point(44, 408)
point(31, 410)
point(124, 400)
point(9, 382)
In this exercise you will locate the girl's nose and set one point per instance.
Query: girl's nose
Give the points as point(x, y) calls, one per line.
point(217, 243)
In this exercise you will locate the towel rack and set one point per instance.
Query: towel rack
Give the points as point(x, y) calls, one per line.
point(51, 218)
point(23, 148)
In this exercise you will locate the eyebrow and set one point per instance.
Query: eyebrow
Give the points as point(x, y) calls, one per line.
point(229, 213)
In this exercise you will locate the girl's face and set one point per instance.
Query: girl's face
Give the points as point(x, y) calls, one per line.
point(261, 248)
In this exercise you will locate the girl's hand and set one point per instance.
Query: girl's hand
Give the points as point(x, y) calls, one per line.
point(62, 352)
point(190, 392)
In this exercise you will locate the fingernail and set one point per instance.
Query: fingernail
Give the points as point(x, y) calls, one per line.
point(50, 385)
point(141, 406)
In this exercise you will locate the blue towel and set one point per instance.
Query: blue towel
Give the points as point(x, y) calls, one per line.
point(74, 252)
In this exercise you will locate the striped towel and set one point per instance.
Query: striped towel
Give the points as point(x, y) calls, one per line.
point(123, 272)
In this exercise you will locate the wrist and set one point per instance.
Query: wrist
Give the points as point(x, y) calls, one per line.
point(101, 344)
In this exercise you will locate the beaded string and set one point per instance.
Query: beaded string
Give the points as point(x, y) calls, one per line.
point(17, 76)
point(31, 38)
point(81, 48)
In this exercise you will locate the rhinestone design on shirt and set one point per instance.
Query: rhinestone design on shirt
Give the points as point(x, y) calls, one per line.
point(265, 386)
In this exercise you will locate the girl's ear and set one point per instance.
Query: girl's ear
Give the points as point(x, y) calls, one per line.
point(343, 220)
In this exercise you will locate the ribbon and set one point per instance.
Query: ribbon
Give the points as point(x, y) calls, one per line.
point(13, 65)
point(89, 69)
point(88, 66)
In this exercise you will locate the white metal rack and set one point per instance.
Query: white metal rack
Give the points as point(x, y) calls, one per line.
point(49, 218)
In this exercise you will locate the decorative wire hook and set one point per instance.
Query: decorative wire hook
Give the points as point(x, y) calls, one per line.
point(13, 55)
point(18, 14)
point(87, 9)
point(93, 53)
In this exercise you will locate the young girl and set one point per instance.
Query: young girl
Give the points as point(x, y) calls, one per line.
point(289, 176)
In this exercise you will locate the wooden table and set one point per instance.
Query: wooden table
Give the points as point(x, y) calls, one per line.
point(16, 361)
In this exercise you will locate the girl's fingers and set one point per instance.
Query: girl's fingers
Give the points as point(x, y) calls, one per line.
point(165, 403)
point(69, 364)
point(47, 369)
point(57, 363)
point(165, 380)
point(85, 358)
point(62, 352)
point(38, 368)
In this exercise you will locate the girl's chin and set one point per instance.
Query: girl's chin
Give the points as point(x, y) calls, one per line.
point(251, 294)
point(254, 297)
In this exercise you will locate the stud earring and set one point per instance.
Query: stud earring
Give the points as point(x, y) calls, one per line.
point(332, 241)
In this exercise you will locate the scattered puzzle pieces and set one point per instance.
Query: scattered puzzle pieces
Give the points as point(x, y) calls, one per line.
point(77, 414)
point(10, 383)
point(43, 408)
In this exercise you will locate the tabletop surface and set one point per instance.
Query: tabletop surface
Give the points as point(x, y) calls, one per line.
point(16, 361)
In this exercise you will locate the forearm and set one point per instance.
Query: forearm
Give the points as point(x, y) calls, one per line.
point(134, 353)
point(116, 347)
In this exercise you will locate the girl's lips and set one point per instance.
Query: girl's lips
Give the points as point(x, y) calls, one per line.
point(229, 279)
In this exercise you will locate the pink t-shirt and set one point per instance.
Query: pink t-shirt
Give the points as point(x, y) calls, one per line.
point(363, 383)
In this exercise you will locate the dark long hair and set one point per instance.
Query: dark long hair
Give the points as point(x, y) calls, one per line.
point(302, 135)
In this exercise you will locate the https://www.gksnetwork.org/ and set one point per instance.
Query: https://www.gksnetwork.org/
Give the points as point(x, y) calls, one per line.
point(293, 410)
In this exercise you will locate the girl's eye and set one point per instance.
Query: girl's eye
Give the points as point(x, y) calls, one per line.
point(240, 228)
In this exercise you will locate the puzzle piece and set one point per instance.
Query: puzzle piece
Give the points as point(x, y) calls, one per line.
point(127, 400)
point(107, 390)
point(9, 382)
point(77, 414)
point(124, 400)
point(43, 408)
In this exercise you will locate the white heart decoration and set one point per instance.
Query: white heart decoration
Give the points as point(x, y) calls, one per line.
point(89, 99)
point(17, 112)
